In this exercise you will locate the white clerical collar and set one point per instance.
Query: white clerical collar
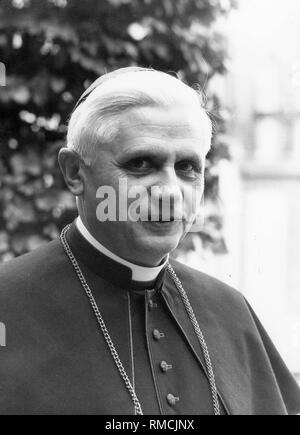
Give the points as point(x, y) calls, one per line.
point(139, 273)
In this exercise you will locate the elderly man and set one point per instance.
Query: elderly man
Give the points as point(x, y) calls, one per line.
point(101, 321)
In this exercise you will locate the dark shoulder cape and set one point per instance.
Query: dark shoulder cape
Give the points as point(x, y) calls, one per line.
point(53, 362)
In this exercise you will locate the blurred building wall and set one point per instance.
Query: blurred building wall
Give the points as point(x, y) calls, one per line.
point(264, 95)
point(260, 187)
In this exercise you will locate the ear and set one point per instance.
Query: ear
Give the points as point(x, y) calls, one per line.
point(70, 165)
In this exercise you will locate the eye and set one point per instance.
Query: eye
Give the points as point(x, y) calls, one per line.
point(188, 167)
point(139, 163)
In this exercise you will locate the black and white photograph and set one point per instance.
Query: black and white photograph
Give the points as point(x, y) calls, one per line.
point(150, 210)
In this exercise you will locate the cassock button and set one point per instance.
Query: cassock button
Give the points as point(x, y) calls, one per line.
point(152, 305)
point(172, 400)
point(157, 335)
point(165, 366)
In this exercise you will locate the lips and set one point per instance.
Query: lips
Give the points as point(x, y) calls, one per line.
point(160, 218)
point(164, 227)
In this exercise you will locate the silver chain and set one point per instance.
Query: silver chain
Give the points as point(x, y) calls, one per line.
point(113, 351)
point(199, 333)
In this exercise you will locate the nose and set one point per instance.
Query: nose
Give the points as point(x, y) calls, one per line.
point(168, 178)
point(166, 197)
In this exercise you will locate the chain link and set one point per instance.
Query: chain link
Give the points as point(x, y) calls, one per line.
point(113, 351)
point(189, 309)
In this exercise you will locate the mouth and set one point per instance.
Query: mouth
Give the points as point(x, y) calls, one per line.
point(161, 222)
point(162, 219)
point(164, 226)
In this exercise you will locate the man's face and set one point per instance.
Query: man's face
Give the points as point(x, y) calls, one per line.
point(156, 147)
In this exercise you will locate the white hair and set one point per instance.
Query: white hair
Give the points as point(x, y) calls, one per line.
point(96, 120)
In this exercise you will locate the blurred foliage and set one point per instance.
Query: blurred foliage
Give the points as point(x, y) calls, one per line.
point(52, 50)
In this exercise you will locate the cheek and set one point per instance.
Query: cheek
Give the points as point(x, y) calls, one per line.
point(192, 199)
point(102, 178)
point(91, 191)
point(91, 201)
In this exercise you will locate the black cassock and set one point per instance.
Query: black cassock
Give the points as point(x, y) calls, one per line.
point(56, 360)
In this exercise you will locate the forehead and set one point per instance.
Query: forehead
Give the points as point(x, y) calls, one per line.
point(171, 128)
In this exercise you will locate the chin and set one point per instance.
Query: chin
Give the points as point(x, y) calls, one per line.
point(158, 246)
